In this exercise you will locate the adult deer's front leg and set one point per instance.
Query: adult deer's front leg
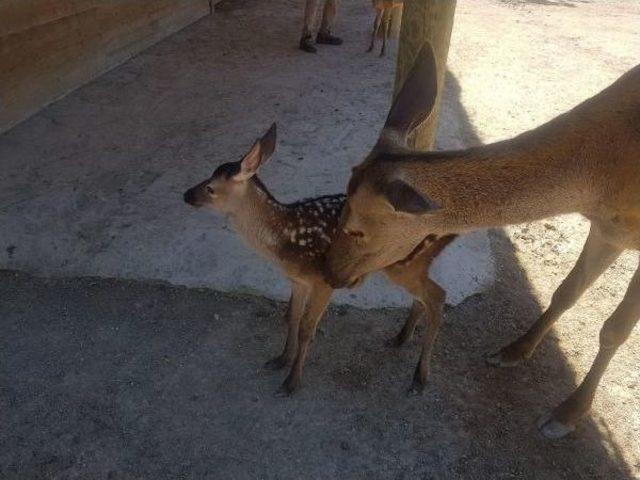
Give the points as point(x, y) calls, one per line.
point(317, 302)
point(299, 293)
point(597, 255)
point(614, 333)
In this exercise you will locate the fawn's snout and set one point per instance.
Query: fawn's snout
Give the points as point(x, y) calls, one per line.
point(196, 196)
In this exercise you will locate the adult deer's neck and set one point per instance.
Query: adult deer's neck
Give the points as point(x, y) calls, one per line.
point(509, 182)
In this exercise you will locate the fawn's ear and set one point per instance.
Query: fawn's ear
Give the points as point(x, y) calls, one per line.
point(414, 103)
point(405, 199)
point(259, 153)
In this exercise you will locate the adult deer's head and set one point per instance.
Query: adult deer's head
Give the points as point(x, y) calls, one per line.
point(383, 219)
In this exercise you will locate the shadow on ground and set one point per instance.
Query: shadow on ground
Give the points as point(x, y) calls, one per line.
point(116, 379)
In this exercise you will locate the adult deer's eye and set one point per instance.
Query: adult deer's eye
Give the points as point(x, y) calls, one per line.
point(209, 190)
point(354, 233)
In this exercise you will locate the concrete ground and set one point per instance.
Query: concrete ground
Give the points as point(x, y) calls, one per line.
point(93, 184)
point(105, 378)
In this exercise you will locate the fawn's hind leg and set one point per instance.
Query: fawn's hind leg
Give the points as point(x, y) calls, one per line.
point(319, 296)
point(376, 27)
point(299, 293)
point(412, 275)
point(433, 297)
point(415, 315)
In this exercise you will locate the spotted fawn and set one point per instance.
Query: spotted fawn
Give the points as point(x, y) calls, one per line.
point(296, 237)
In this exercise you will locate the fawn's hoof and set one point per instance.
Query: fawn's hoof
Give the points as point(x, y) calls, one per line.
point(277, 363)
point(416, 389)
point(554, 428)
point(396, 342)
point(287, 388)
point(502, 360)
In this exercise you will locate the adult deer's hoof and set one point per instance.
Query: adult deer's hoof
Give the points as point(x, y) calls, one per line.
point(502, 359)
point(553, 428)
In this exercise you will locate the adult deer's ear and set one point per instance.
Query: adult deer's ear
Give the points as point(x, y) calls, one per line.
point(261, 151)
point(414, 103)
point(404, 198)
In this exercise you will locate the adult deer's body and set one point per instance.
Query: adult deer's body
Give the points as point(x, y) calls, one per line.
point(586, 161)
point(382, 23)
point(295, 237)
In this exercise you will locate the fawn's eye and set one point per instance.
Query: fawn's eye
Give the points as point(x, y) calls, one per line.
point(209, 190)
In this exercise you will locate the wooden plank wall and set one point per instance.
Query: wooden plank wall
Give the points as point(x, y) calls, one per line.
point(50, 47)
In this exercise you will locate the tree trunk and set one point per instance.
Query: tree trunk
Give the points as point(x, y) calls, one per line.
point(424, 20)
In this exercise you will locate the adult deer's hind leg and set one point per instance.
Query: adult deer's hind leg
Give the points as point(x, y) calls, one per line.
point(299, 293)
point(614, 333)
point(597, 255)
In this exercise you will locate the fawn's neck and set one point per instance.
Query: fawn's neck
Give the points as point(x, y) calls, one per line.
point(258, 217)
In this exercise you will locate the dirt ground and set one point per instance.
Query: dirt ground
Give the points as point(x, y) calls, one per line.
point(115, 379)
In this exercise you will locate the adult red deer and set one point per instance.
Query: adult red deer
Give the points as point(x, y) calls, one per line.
point(586, 160)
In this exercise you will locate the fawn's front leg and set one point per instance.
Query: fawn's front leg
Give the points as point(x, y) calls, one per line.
point(317, 301)
point(299, 293)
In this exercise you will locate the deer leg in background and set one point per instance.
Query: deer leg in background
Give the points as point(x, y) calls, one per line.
point(386, 29)
point(614, 333)
point(597, 255)
point(328, 19)
point(299, 294)
point(317, 302)
point(310, 15)
point(376, 27)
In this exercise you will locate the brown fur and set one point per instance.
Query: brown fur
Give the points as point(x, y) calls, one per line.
point(296, 238)
point(586, 160)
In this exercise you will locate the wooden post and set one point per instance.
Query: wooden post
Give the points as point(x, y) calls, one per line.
point(424, 20)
